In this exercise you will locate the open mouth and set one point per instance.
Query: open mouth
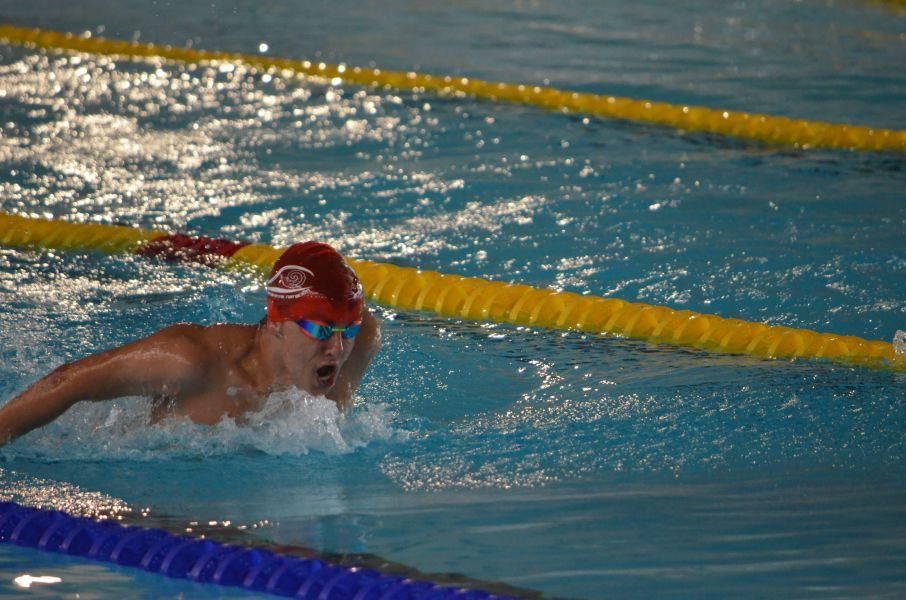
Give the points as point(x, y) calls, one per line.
point(326, 373)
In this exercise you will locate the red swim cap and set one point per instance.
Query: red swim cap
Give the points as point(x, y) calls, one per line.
point(312, 281)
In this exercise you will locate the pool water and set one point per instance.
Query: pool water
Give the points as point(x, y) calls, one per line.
point(571, 465)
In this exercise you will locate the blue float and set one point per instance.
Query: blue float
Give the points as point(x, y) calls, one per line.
point(208, 561)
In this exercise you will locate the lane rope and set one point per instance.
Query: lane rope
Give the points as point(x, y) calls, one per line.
point(471, 298)
point(208, 561)
point(768, 129)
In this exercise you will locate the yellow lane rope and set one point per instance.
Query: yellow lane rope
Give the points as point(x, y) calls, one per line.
point(42, 233)
point(763, 128)
point(471, 298)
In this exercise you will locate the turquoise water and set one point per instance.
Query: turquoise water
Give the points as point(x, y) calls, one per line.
point(576, 466)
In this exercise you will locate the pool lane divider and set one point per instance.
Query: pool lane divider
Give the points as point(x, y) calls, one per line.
point(767, 129)
point(471, 298)
point(209, 561)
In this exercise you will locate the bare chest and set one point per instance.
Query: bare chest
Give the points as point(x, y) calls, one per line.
point(224, 394)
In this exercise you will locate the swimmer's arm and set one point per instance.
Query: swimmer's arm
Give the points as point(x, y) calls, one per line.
point(367, 343)
point(163, 363)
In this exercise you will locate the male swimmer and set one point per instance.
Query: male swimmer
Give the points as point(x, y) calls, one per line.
point(317, 337)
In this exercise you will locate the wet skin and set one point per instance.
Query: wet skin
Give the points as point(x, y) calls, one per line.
point(203, 373)
point(238, 379)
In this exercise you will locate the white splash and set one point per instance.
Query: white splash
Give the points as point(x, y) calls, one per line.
point(291, 423)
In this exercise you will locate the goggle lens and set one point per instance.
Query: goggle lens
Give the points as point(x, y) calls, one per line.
point(323, 331)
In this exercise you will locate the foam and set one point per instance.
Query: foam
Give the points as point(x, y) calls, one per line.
point(291, 423)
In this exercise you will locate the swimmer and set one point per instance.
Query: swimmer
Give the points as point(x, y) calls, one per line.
point(317, 336)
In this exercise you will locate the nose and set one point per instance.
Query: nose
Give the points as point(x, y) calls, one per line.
point(333, 346)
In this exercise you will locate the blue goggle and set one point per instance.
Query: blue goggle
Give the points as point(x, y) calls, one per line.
point(323, 331)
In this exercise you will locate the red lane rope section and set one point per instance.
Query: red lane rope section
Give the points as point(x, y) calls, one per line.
point(180, 247)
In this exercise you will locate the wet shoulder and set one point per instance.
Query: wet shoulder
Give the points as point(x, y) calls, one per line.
point(183, 339)
point(180, 333)
point(228, 340)
point(203, 343)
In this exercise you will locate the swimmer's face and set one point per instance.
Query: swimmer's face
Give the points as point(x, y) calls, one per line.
point(318, 361)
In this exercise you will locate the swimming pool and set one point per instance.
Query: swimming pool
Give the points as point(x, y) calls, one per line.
point(573, 465)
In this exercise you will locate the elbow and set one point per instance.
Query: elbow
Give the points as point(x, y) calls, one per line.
point(377, 339)
point(371, 334)
point(374, 342)
point(57, 377)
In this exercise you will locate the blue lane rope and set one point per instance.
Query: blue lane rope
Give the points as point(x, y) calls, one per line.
point(208, 561)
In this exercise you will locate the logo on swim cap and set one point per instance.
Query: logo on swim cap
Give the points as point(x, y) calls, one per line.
point(289, 282)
